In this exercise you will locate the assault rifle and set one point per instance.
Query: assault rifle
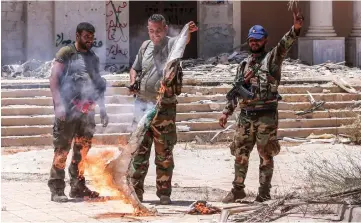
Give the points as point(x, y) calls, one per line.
point(239, 91)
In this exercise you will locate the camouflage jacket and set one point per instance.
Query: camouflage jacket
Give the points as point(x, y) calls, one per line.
point(267, 77)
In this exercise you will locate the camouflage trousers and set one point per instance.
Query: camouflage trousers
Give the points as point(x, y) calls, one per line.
point(255, 128)
point(80, 128)
point(163, 134)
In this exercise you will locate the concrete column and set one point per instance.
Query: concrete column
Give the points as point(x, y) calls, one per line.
point(321, 19)
point(356, 15)
point(353, 42)
point(40, 30)
point(321, 43)
point(216, 32)
point(13, 35)
point(237, 23)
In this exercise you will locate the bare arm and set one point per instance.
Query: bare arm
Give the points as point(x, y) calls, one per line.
point(56, 71)
point(279, 53)
point(132, 76)
point(192, 28)
point(189, 37)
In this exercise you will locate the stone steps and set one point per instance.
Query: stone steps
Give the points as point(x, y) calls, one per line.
point(19, 120)
point(123, 99)
point(12, 110)
point(193, 126)
point(121, 138)
point(296, 89)
point(27, 113)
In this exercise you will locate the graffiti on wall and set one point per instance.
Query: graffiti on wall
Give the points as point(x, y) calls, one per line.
point(177, 14)
point(117, 30)
point(60, 41)
point(215, 2)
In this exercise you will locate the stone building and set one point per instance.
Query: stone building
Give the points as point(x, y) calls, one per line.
point(37, 29)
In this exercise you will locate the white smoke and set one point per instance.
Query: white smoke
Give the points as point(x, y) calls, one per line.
point(174, 30)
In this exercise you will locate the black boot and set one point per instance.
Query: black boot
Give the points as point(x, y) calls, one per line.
point(57, 191)
point(59, 196)
point(165, 200)
point(79, 190)
point(233, 195)
point(263, 194)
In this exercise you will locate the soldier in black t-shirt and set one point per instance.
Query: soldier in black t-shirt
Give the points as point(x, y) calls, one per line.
point(76, 88)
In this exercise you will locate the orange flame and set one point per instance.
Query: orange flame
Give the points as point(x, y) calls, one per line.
point(201, 208)
point(161, 92)
point(102, 181)
point(94, 166)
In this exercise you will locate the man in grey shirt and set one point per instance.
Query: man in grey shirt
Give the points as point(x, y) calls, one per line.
point(149, 63)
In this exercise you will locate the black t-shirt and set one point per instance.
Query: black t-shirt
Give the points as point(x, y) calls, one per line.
point(81, 79)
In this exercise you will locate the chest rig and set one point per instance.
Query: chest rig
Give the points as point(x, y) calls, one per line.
point(263, 85)
point(159, 60)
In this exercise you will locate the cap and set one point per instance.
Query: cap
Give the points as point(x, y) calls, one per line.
point(257, 32)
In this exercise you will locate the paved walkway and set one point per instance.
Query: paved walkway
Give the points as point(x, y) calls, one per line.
point(199, 174)
point(30, 202)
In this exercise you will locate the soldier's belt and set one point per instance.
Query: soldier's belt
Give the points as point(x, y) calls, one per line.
point(168, 105)
point(257, 112)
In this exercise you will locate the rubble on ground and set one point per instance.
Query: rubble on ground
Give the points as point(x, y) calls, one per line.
point(291, 69)
point(221, 67)
point(31, 68)
point(40, 69)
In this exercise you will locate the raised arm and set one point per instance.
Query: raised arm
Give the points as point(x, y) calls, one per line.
point(279, 53)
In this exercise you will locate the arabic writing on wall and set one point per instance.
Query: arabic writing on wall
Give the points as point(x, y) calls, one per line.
point(117, 32)
point(60, 41)
point(214, 2)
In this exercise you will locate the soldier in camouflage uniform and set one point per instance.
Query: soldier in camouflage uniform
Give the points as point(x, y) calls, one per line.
point(260, 74)
point(148, 67)
point(76, 87)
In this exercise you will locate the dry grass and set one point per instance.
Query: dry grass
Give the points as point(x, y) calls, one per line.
point(355, 130)
point(333, 176)
point(329, 182)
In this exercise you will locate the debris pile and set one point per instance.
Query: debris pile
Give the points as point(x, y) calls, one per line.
point(225, 66)
point(31, 68)
point(295, 68)
point(202, 207)
point(221, 67)
point(223, 58)
point(269, 211)
point(114, 69)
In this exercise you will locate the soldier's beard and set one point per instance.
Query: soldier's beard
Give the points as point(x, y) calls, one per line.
point(83, 45)
point(259, 50)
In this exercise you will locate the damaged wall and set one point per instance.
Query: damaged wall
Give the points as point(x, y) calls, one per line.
point(117, 34)
point(39, 30)
point(13, 32)
point(177, 14)
point(259, 13)
point(216, 33)
point(268, 14)
point(68, 16)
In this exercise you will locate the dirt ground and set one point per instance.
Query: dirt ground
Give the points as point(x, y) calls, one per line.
point(202, 172)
